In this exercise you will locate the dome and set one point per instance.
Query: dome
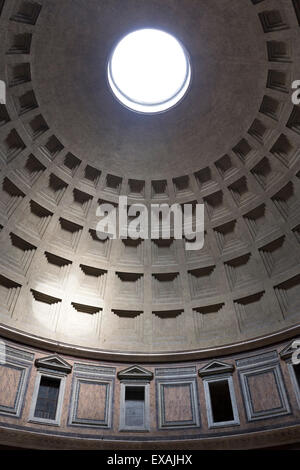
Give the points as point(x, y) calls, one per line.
point(231, 145)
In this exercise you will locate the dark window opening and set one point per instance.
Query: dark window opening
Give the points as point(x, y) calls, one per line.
point(297, 373)
point(221, 401)
point(134, 406)
point(46, 404)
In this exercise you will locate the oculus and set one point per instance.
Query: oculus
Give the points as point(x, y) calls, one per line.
point(149, 71)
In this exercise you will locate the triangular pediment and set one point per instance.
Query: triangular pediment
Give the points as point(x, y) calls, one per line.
point(215, 367)
point(288, 350)
point(54, 362)
point(135, 373)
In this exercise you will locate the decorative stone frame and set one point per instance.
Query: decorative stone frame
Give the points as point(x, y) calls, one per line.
point(266, 363)
point(217, 371)
point(96, 376)
point(161, 385)
point(135, 377)
point(55, 368)
point(22, 361)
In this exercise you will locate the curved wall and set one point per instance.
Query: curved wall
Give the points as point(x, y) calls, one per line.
point(91, 403)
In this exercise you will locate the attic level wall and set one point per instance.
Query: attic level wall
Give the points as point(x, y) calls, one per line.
point(178, 404)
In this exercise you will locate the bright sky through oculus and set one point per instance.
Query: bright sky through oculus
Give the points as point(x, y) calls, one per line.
point(149, 71)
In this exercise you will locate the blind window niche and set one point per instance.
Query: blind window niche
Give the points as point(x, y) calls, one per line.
point(220, 402)
point(135, 406)
point(135, 399)
point(47, 399)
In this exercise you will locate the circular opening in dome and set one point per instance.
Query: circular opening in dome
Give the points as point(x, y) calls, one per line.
point(149, 71)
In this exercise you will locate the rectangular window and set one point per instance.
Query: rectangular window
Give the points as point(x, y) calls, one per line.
point(220, 399)
point(297, 374)
point(135, 406)
point(47, 399)
point(294, 370)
